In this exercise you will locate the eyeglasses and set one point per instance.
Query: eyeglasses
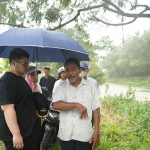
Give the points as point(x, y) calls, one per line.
point(23, 64)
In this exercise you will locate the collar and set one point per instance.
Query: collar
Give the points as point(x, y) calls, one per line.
point(46, 77)
point(63, 81)
point(83, 81)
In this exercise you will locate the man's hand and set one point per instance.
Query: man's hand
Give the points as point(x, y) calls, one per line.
point(95, 140)
point(18, 141)
point(82, 110)
point(61, 105)
point(11, 120)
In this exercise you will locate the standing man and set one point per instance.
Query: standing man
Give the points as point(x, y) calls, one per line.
point(76, 99)
point(84, 73)
point(62, 77)
point(17, 109)
point(48, 82)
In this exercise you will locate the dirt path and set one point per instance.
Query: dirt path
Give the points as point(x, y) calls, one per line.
point(115, 89)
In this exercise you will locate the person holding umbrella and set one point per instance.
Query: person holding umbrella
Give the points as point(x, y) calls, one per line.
point(77, 99)
point(17, 108)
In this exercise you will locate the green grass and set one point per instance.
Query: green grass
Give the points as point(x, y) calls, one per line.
point(2, 146)
point(56, 146)
point(126, 123)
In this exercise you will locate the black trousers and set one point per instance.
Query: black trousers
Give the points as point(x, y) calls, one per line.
point(36, 139)
point(75, 145)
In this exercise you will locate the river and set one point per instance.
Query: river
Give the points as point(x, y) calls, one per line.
point(115, 89)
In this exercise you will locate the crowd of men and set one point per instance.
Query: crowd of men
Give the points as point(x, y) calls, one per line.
point(74, 94)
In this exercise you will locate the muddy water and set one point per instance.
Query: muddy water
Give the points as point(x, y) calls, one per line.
point(115, 89)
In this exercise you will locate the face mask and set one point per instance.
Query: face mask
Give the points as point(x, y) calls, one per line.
point(83, 74)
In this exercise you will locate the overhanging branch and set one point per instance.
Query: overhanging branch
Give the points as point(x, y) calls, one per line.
point(117, 10)
point(115, 6)
point(13, 25)
point(122, 13)
point(116, 24)
point(130, 15)
point(114, 9)
point(76, 16)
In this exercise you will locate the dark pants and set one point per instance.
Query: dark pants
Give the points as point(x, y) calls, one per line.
point(28, 144)
point(36, 135)
point(75, 145)
point(31, 142)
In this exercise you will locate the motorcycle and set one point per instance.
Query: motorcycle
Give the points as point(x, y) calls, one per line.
point(50, 126)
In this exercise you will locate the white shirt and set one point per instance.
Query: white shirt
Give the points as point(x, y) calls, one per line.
point(95, 82)
point(57, 83)
point(71, 127)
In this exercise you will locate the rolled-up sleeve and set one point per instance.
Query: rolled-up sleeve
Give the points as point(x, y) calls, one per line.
point(59, 94)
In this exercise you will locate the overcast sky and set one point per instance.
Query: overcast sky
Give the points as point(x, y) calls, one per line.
point(116, 33)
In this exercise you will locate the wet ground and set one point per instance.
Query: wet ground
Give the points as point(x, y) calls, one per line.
point(115, 89)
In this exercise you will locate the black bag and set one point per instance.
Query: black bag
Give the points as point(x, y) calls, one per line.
point(41, 104)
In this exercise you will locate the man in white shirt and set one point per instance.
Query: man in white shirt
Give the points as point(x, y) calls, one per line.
point(62, 76)
point(77, 99)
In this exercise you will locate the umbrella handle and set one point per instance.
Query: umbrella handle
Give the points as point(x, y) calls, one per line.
point(36, 54)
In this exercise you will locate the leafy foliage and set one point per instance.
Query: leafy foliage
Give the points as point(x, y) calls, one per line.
point(54, 14)
point(5, 66)
point(131, 58)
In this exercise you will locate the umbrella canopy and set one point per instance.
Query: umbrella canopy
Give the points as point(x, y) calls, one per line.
point(42, 45)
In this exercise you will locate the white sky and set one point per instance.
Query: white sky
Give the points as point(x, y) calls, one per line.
point(116, 33)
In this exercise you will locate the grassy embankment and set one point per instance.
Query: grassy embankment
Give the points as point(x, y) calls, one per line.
point(125, 123)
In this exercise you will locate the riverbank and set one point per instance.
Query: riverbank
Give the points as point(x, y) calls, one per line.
point(141, 82)
point(118, 89)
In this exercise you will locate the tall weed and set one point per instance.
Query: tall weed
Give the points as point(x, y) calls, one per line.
point(136, 121)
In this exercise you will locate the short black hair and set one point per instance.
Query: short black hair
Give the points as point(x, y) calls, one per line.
point(18, 53)
point(76, 61)
point(47, 68)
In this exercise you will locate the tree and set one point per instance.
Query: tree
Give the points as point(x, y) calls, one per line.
point(131, 58)
point(5, 66)
point(55, 14)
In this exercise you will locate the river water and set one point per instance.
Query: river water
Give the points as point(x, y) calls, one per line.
point(115, 89)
